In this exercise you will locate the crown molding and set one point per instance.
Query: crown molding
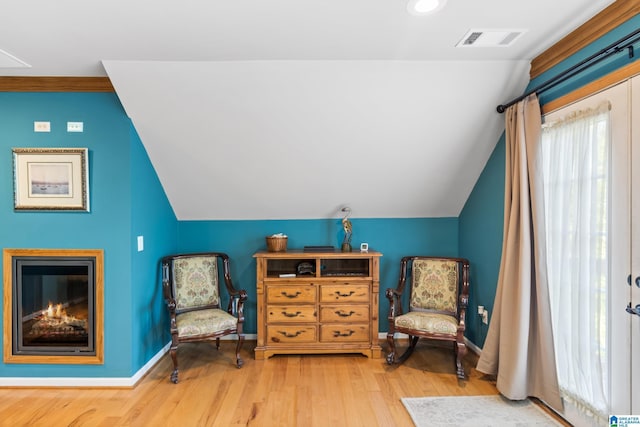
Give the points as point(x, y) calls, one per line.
point(55, 84)
point(608, 19)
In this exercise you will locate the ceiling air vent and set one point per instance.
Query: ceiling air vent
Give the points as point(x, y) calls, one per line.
point(490, 38)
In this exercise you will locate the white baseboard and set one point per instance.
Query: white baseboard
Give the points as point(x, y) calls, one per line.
point(116, 382)
point(477, 350)
point(85, 381)
point(398, 335)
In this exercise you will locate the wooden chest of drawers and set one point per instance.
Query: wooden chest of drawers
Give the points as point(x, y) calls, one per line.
point(332, 308)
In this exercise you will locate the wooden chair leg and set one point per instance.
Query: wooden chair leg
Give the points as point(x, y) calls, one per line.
point(461, 350)
point(239, 361)
point(391, 357)
point(174, 357)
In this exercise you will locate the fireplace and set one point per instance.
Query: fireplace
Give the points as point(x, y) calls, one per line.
point(53, 306)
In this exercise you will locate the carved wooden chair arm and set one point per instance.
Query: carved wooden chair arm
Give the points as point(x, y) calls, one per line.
point(243, 295)
point(171, 305)
point(166, 292)
point(395, 307)
point(236, 303)
point(464, 301)
point(393, 294)
point(166, 283)
point(462, 309)
point(462, 317)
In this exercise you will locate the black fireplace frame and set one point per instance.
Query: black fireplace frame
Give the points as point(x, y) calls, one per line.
point(19, 265)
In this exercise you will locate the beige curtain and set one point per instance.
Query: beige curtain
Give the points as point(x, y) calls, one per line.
point(519, 345)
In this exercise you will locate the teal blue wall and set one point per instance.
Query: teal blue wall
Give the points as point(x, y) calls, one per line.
point(154, 220)
point(125, 200)
point(482, 218)
point(481, 239)
point(394, 238)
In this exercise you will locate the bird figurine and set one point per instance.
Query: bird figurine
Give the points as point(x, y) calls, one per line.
point(348, 230)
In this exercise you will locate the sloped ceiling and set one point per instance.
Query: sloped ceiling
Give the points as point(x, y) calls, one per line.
point(281, 139)
point(294, 108)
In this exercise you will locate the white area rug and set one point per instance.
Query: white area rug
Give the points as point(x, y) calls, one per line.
point(476, 411)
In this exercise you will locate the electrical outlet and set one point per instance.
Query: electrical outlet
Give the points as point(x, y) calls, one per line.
point(485, 316)
point(42, 126)
point(480, 309)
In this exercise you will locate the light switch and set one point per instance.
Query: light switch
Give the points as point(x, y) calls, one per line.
point(75, 126)
point(140, 243)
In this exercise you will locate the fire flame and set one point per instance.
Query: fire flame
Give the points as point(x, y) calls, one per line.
point(58, 313)
point(55, 321)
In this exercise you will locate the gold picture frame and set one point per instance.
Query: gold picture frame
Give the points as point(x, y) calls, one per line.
point(51, 179)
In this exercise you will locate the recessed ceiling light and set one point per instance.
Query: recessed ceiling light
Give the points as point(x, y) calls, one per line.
point(425, 7)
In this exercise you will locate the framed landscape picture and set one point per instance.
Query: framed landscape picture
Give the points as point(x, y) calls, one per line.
point(51, 179)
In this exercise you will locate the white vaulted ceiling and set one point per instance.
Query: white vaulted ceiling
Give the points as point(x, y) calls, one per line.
point(293, 108)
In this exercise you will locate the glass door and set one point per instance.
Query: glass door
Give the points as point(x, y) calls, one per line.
point(594, 333)
point(634, 277)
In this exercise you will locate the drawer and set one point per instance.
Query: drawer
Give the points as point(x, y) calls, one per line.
point(291, 313)
point(291, 294)
point(288, 334)
point(344, 313)
point(344, 293)
point(344, 333)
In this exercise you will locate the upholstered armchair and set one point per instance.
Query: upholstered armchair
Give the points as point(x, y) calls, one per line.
point(191, 288)
point(438, 294)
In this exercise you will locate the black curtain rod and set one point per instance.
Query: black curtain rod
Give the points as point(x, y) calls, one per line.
point(624, 43)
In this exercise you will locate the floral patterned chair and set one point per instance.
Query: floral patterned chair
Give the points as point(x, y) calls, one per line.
point(438, 296)
point(191, 288)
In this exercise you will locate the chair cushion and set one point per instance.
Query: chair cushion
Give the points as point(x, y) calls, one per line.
point(204, 322)
point(434, 284)
point(428, 322)
point(196, 281)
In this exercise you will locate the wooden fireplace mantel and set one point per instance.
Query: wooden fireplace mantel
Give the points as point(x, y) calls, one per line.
point(9, 357)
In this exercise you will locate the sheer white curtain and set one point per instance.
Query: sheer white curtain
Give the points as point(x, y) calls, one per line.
point(574, 160)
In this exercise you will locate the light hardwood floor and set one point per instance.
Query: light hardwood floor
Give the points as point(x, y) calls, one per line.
point(310, 390)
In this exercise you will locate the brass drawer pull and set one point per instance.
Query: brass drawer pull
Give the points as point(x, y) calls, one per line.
point(338, 334)
point(345, 295)
point(296, 314)
point(343, 314)
point(288, 335)
point(286, 295)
